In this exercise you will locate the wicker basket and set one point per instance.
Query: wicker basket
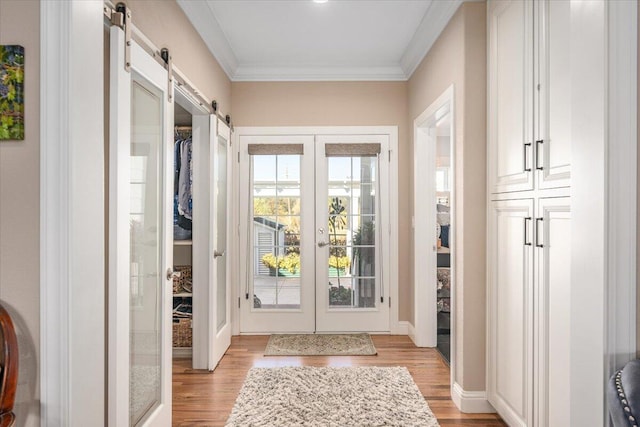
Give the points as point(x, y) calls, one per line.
point(182, 332)
point(184, 283)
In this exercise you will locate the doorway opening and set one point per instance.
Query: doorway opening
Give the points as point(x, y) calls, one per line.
point(434, 226)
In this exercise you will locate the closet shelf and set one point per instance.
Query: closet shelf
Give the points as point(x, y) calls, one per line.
point(183, 242)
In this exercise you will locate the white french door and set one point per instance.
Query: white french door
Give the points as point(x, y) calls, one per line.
point(314, 227)
point(140, 239)
point(352, 233)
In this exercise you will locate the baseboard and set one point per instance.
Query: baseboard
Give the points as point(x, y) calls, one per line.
point(470, 402)
point(411, 332)
point(182, 352)
point(403, 328)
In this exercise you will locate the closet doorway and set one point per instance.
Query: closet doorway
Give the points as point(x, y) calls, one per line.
point(315, 221)
point(201, 295)
point(434, 222)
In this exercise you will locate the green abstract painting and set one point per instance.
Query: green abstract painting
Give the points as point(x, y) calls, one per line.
point(11, 92)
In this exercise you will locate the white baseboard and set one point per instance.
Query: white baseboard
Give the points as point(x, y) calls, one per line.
point(403, 328)
point(411, 332)
point(470, 402)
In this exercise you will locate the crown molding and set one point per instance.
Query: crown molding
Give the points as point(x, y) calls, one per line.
point(433, 23)
point(204, 21)
point(312, 73)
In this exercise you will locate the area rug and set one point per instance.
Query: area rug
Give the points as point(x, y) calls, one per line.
point(320, 345)
point(309, 396)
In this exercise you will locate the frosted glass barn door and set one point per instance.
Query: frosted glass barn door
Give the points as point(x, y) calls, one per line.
point(140, 239)
point(220, 327)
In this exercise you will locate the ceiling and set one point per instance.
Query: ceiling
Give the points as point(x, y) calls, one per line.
point(300, 40)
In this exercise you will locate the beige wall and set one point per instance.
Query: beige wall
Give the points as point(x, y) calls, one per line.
point(338, 104)
point(20, 210)
point(166, 25)
point(459, 57)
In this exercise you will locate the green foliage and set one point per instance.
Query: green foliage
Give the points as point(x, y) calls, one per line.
point(340, 296)
point(11, 92)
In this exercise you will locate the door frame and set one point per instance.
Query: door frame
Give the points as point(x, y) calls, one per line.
point(425, 327)
point(392, 131)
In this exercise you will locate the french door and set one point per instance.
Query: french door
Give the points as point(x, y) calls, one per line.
point(140, 240)
point(314, 228)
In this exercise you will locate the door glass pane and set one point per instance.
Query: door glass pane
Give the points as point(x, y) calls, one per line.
point(146, 221)
point(276, 231)
point(351, 269)
point(221, 232)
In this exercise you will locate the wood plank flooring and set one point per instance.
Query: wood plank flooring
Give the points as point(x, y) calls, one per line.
point(201, 398)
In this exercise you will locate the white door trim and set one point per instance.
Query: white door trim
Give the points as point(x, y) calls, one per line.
point(425, 297)
point(392, 131)
point(72, 321)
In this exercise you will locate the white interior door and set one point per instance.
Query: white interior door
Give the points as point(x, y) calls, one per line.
point(219, 324)
point(352, 230)
point(140, 240)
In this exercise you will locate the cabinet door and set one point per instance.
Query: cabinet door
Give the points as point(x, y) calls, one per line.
point(510, 305)
point(510, 95)
point(553, 325)
point(553, 100)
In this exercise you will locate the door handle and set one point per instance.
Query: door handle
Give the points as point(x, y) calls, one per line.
point(539, 222)
point(525, 231)
point(173, 274)
point(322, 244)
point(525, 157)
point(538, 143)
point(217, 254)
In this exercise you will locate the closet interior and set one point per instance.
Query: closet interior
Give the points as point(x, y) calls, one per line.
point(182, 233)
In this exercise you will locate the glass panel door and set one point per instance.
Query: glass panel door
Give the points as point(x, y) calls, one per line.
point(278, 229)
point(221, 329)
point(139, 240)
point(352, 294)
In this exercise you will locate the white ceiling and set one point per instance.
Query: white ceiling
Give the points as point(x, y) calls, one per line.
point(282, 40)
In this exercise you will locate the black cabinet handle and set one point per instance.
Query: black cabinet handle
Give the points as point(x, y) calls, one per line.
point(538, 143)
point(525, 231)
point(526, 145)
point(538, 227)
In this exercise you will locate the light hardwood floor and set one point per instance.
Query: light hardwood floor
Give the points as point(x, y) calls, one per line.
point(201, 398)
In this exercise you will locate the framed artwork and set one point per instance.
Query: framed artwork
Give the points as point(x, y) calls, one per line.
point(11, 92)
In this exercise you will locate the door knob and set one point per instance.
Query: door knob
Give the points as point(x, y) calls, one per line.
point(173, 274)
point(217, 254)
point(322, 244)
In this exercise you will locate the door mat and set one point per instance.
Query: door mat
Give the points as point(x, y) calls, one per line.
point(320, 345)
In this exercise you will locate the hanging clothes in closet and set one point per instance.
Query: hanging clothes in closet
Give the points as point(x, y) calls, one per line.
point(183, 181)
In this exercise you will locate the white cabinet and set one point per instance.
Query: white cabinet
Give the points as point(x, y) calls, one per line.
point(552, 277)
point(553, 109)
point(510, 93)
point(510, 307)
point(529, 311)
point(531, 44)
point(529, 119)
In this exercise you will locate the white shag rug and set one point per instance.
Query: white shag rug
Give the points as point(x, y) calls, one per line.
point(340, 397)
point(320, 345)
